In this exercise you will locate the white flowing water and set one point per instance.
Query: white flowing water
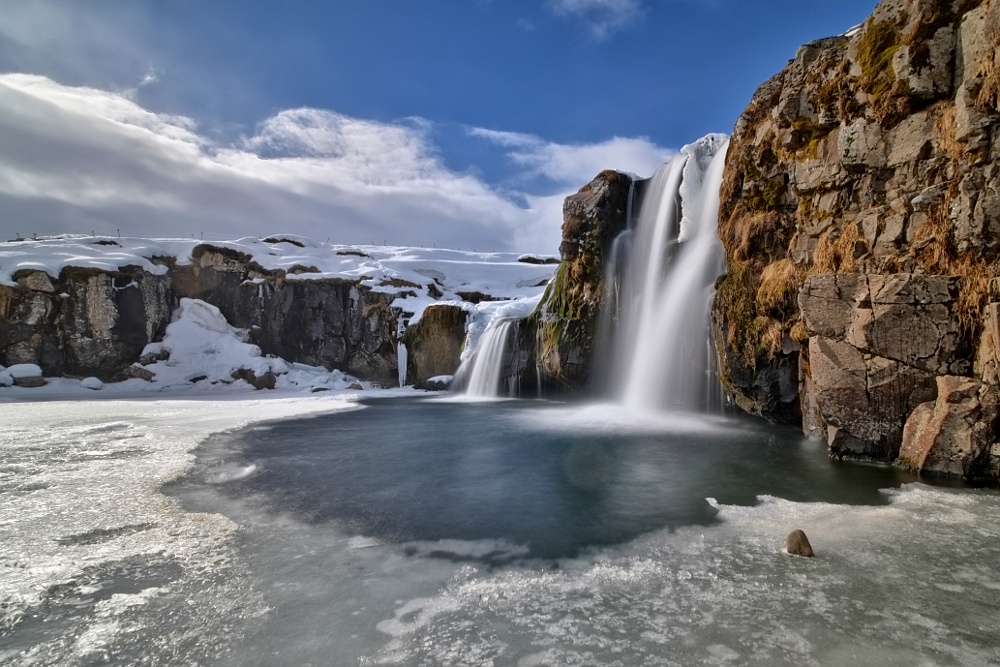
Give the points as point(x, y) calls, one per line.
point(483, 372)
point(662, 356)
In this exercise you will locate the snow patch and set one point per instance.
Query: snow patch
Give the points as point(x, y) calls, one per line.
point(91, 383)
point(22, 371)
point(202, 347)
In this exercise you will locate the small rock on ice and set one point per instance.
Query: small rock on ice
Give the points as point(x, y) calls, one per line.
point(797, 544)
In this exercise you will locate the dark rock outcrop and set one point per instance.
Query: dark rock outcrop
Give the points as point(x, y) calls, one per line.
point(565, 322)
point(86, 322)
point(861, 221)
point(89, 322)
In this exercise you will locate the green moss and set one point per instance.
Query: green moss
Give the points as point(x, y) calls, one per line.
point(766, 197)
point(878, 44)
point(890, 98)
point(736, 301)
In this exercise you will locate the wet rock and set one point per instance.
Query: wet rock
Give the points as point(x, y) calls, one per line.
point(797, 544)
point(263, 381)
point(356, 386)
point(439, 383)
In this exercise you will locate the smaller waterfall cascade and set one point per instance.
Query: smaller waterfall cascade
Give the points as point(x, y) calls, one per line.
point(483, 373)
point(662, 356)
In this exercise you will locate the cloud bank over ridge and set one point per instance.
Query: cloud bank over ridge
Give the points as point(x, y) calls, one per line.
point(77, 159)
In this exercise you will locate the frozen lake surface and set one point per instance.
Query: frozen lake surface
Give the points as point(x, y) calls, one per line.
point(430, 532)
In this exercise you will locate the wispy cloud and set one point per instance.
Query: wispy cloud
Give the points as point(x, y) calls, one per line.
point(75, 159)
point(602, 18)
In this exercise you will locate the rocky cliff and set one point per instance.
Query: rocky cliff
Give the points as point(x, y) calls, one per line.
point(563, 327)
point(860, 213)
point(91, 322)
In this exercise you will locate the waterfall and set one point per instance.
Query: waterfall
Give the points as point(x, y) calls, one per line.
point(482, 374)
point(662, 357)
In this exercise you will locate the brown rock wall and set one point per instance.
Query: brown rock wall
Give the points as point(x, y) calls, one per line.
point(871, 164)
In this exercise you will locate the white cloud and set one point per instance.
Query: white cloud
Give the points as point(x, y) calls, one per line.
point(568, 164)
point(76, 159)
point(602, 17)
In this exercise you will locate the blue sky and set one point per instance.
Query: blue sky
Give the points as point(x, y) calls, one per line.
point(454, 122)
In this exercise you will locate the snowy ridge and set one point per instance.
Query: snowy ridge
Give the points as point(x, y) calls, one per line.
point(405, 271)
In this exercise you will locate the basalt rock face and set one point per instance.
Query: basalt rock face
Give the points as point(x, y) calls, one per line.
point(878, 344)
point(331, 323)
point(90, 322)
point(85, 322)
point(954, 435)
point(434, 344)
point(860, 212)
point(565, 322)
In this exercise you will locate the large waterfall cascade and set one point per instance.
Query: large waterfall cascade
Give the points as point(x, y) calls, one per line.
point(661, 276)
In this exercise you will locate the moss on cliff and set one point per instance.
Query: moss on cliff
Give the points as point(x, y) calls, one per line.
point(565, 321)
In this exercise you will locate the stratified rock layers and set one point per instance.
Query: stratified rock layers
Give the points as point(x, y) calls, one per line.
point(860, 213)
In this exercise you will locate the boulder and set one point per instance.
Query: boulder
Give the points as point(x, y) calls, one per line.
point(265, 380)
point(952, 435)
point(797, 544)
point(92, 383)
